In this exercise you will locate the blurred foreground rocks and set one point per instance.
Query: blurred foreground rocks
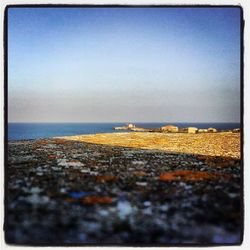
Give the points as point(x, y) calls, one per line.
point(70, 192)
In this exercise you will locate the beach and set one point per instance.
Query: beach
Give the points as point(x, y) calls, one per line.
point(125, 188)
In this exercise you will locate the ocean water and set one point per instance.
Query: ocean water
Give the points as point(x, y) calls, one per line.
point(23, 131)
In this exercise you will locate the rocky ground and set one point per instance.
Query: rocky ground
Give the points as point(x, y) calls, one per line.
point(69, 192)
point(226, 144)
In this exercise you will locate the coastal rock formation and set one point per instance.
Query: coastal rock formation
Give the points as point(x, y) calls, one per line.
point(121, 128)
point(138, 129)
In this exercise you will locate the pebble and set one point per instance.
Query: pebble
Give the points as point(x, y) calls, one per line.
point(104, 213)
point(35, 190)
point(164, 208)
point(143, 184)
point(95, 173)
point(124, 209)
point(139, 162)
point(147, 203)
point(37, 200)
point(78, 195)
point(233, 195)
point(63, 190)
point(85, 171)
point(56, 168)
point(147, 211)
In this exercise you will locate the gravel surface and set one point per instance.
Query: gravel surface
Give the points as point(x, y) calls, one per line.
point(69, 192)
point(213, 144)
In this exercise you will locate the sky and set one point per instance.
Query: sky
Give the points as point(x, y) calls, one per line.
point(123, 64)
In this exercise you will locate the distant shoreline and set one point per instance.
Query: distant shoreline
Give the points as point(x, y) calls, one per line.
point(22, 131)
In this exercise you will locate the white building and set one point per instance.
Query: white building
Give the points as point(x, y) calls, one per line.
point(192, 130)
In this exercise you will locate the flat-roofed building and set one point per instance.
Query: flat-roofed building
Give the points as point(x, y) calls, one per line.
point(212, 130)
point(170, 128)
point(192, 130)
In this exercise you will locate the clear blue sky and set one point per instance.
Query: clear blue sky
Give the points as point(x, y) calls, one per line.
point(124, 64)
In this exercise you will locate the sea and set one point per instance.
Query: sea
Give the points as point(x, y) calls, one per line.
point(25, 131)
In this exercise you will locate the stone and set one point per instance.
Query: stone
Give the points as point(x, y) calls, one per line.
point(104, 178)
point(147, 203)
point(78, 195)
point(85, 170)
point(73, 163)
point(35, 190)
point(97, 200)
point(139, 173)
point(143, 184)
point(124, 209)
point(138, 162)
point(37, 200)
point(189, 175)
